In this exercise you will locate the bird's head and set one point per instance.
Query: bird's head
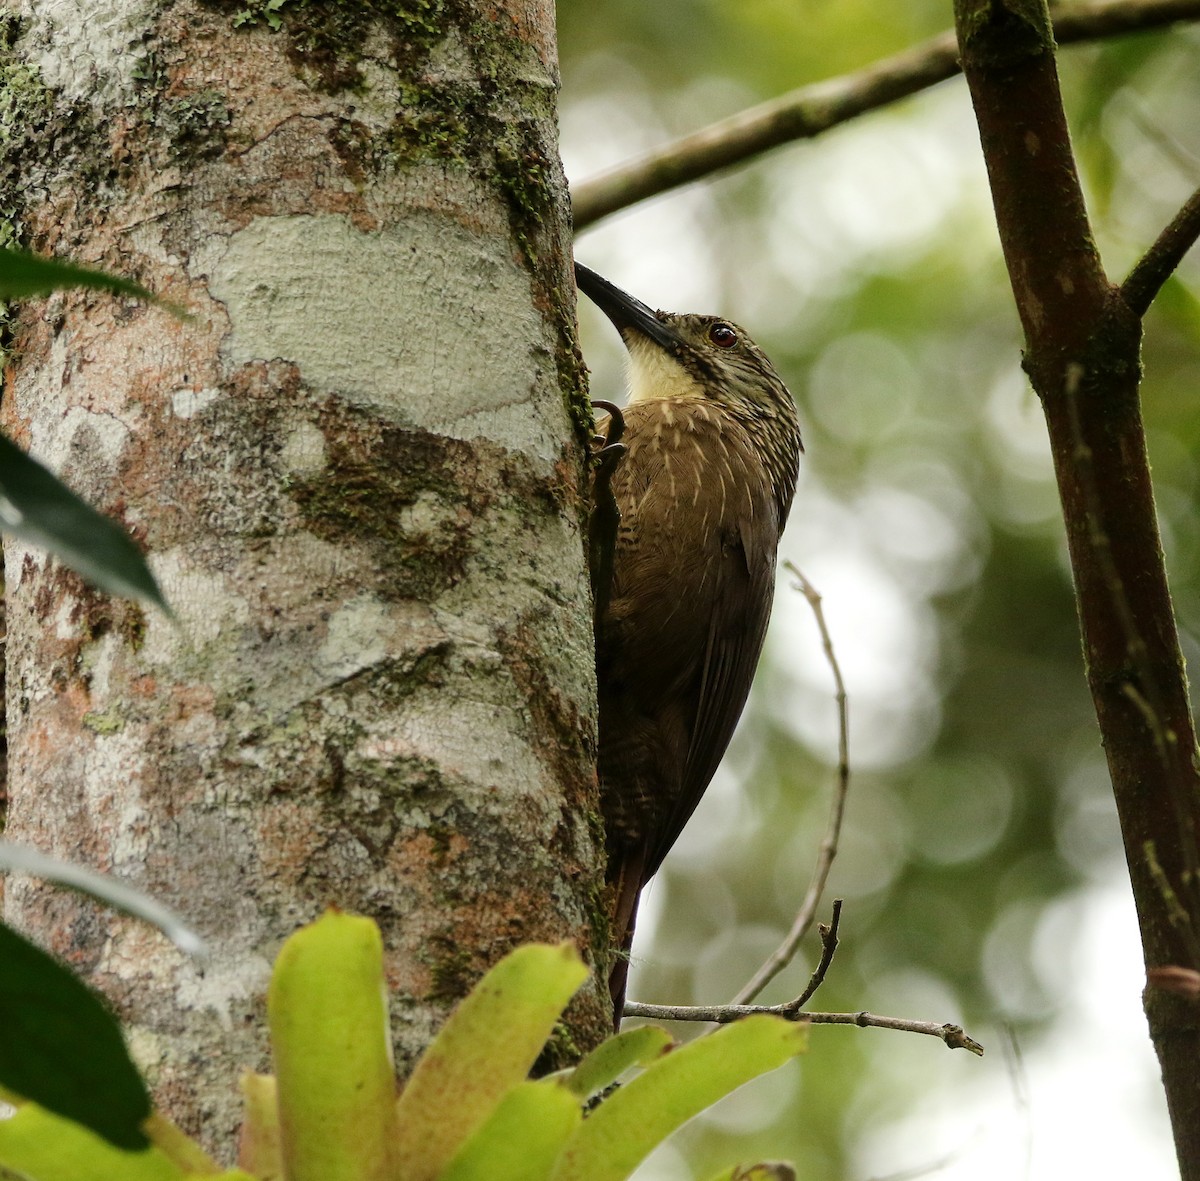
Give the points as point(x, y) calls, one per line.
point(675, 355)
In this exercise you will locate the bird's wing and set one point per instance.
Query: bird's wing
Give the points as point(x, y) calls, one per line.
point(745, 584)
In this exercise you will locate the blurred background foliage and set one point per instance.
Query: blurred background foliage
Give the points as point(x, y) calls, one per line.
point(981, 862)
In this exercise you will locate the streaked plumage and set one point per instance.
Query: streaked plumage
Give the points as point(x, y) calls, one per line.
point(704, 487)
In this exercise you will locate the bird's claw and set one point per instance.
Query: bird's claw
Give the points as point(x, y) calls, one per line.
point(606, 460)
point(605, 517)
point(616, 422)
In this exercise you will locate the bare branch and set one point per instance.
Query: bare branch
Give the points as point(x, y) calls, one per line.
point(952, 1035)
point(1160, 261)
point(1147, 695)
point(1082, 353)
point(810, 110)
point(783, 954)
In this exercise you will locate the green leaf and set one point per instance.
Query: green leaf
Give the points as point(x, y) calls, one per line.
point(624, 1129)
point(23, 275)
point(36, 506)
point(523, 1137)
point(45, 1147)
point(107, 889)
point(336, 1087)
point(177, 1146)
point(260, 1147)
point(483, 1051)
point(615, 1055)
point(61, 1048)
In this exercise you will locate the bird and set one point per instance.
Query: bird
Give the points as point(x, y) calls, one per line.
point(692, 484)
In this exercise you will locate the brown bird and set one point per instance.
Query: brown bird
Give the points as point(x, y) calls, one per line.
point(691, 492)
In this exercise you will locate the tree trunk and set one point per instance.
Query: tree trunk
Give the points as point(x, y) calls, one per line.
point(1082, 353)
point(357, 471)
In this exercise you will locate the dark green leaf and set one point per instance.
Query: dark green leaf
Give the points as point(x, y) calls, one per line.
point(35, 505)
point(23, 275)
point(107, 889)
point(60, 1047)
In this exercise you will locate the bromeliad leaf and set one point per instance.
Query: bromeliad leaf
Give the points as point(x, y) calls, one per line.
point(38, 1144)
point(260, 1146)
point(37, 506)
point(617, 1054)
point(63, 1049)
point(483, 1051)
point(522, 1139)
point(336, 1086)
point(623, 1130)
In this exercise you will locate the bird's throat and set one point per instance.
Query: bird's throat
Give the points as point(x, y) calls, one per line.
point(654, 373)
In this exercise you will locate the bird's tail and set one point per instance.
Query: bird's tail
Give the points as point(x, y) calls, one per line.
point(627, 888)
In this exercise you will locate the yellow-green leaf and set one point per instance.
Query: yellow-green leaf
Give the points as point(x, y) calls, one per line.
point(623, 1130)
point(615, 1055)
point(42, 1146)
point(333, 1065)
point(259, 1148)
point(228, 1175)
point(484, 1050)
point(522, 1139)
point(177, 1146)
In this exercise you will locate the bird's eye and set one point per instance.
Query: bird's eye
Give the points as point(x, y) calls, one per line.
point(722, 336)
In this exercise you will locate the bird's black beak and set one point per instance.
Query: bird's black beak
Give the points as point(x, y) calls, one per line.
point(626, 313)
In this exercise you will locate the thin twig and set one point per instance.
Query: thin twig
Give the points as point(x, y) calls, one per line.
point(783, 954)
point(1159, 263)
point(952, 1035)
point(810, 110)
point(829, 946)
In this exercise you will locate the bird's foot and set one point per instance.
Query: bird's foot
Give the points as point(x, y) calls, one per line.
point(605, 517)
point(616, 424)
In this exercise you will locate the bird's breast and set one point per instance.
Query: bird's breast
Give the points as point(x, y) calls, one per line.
point(698, 520)
point(691, 474)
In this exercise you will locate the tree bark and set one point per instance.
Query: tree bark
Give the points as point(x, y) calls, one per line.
point(1082, 354)
point(357, 471)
